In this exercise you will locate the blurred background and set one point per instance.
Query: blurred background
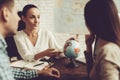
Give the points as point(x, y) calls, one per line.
point(63, 17)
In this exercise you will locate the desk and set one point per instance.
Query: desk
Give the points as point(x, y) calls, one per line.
point(79, 73)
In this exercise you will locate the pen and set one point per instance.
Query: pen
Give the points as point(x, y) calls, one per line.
point(38, 64)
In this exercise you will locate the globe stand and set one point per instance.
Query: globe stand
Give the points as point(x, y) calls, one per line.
point(72, 64)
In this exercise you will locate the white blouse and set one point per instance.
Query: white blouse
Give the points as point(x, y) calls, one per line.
point(28, 51)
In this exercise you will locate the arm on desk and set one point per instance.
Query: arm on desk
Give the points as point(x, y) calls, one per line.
point(24, 73)
point(29, 74)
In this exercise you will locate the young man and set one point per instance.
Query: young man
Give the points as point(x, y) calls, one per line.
point(8, 27)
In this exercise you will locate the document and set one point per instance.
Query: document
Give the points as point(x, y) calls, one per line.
point(37, 65)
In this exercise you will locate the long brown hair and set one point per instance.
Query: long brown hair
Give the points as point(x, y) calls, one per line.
point(102, 19)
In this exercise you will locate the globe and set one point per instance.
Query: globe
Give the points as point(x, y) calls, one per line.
point(73, 49)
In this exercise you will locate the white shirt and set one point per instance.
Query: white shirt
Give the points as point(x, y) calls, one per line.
point(28, 51)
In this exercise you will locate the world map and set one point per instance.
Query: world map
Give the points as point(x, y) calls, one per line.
point(69, 16)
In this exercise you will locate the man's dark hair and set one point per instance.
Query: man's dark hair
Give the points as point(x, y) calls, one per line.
point(7, 3)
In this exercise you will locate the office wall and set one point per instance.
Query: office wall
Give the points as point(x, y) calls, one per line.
point(47, 10)
point(117, 2)
point(47, 18)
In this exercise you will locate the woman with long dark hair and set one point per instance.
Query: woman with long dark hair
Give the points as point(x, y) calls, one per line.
point(34, 43)
point(102, 20)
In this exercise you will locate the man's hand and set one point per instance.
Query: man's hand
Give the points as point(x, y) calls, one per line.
point(50, 72)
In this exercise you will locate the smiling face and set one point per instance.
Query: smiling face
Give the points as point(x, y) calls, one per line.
point(32, 19)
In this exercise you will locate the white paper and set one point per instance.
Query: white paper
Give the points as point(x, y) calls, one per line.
point(29, 65)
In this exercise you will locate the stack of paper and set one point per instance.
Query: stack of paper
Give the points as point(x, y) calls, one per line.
point(38, 65)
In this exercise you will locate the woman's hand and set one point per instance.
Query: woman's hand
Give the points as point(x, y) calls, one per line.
point(48, 52)
point(50, 72)
point(51, 52)
point(89, 39)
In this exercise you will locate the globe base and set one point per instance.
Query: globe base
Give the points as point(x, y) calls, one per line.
point(72, 64)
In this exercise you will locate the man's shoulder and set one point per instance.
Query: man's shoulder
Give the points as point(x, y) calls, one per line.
point(2, 44)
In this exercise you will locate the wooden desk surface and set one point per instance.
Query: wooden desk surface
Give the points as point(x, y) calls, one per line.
point(70, 73)
point(79, 73)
